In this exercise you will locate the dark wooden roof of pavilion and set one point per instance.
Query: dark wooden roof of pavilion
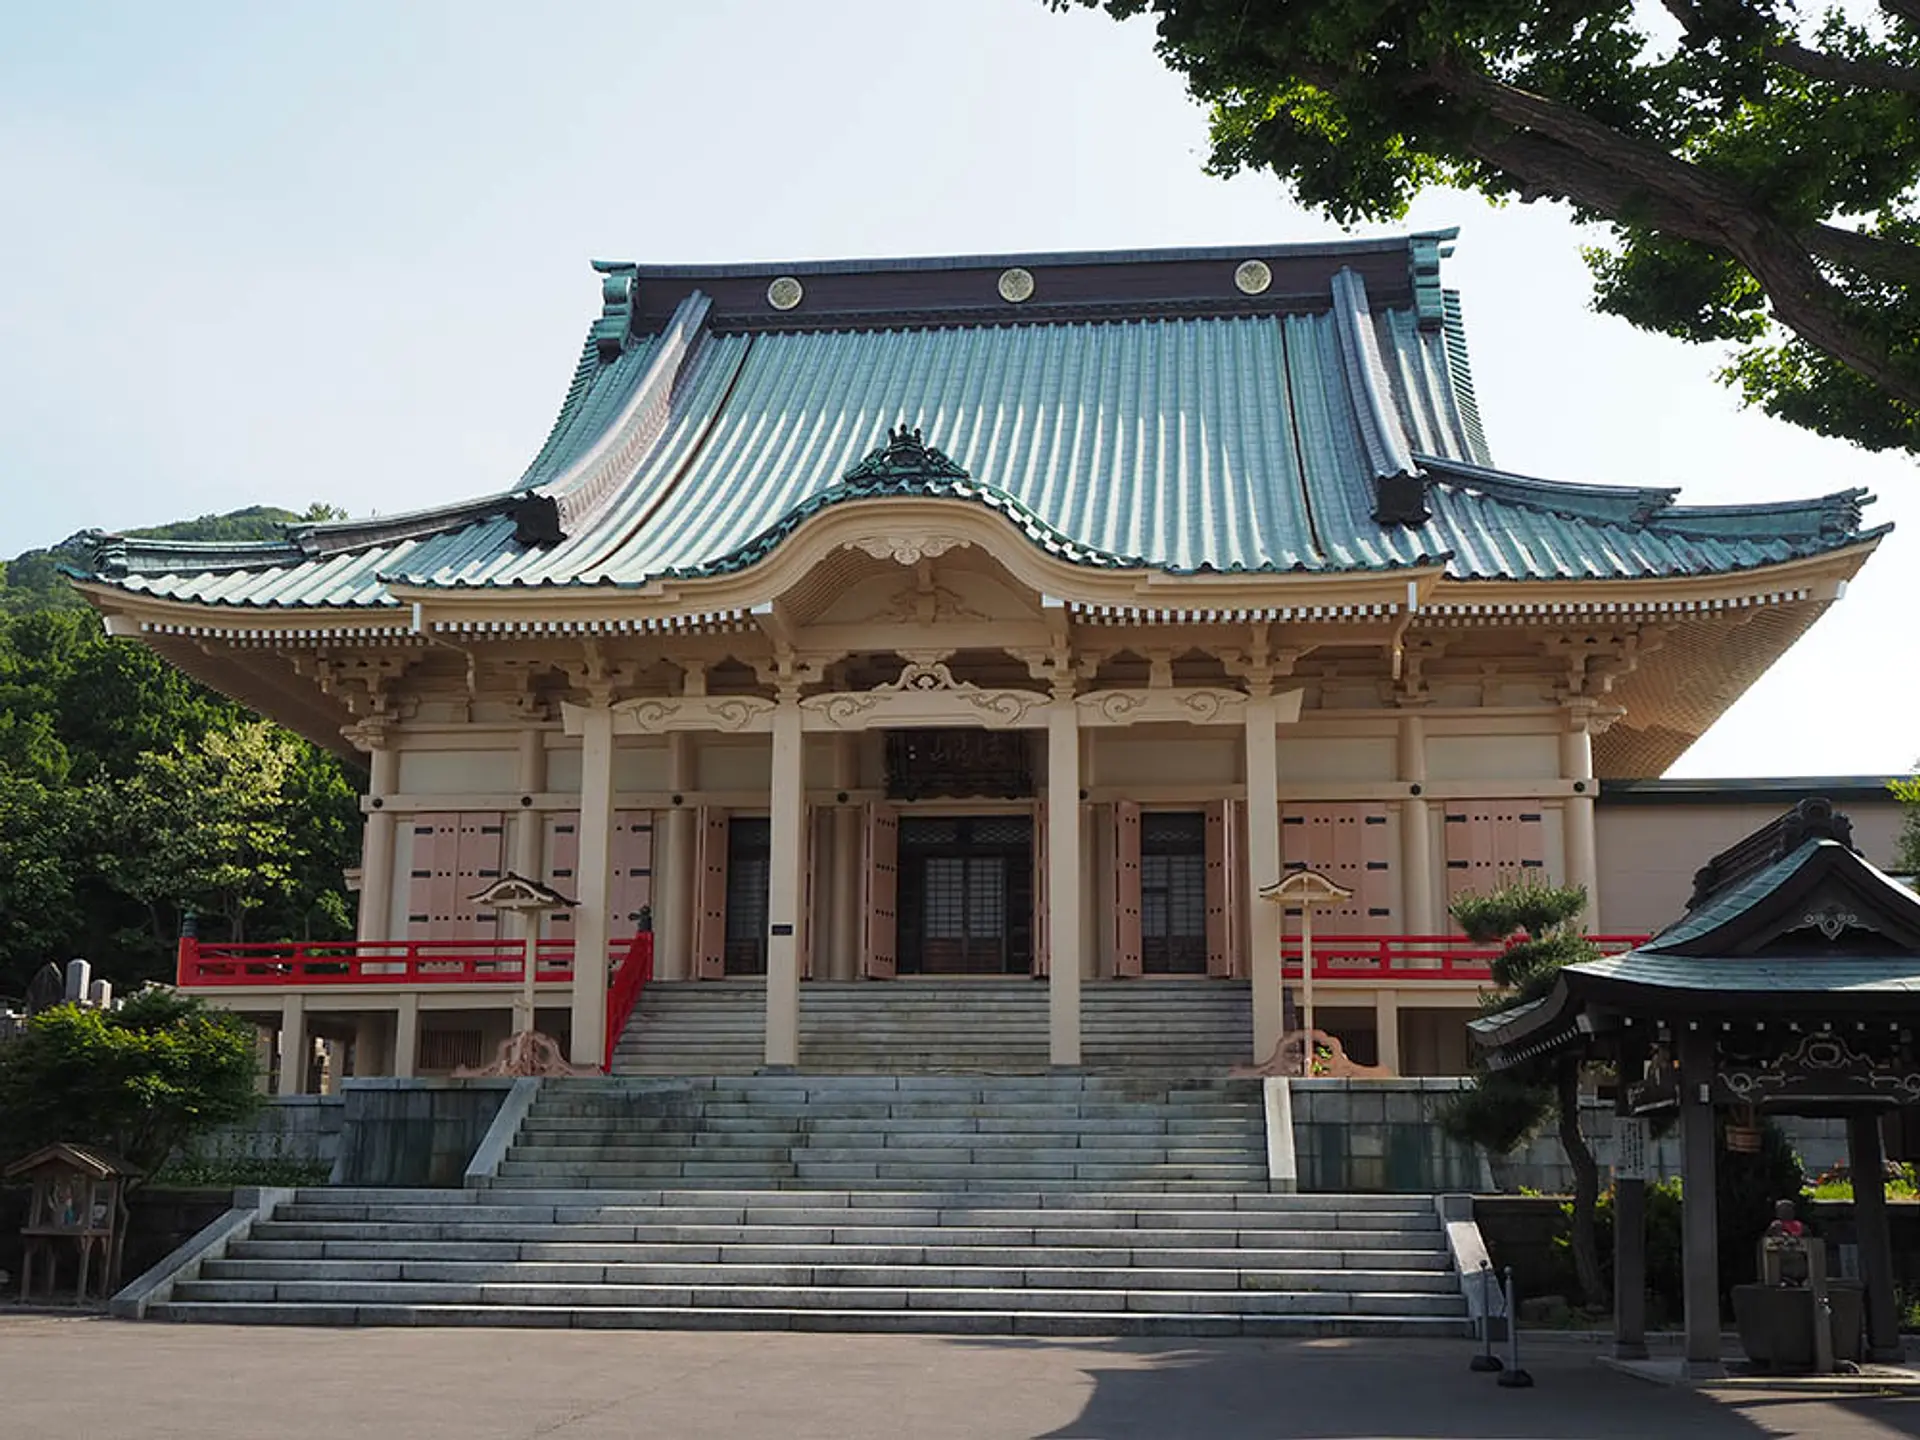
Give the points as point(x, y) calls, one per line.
point(1789, 922)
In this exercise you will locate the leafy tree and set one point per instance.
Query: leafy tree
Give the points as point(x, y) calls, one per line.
point(141, 1081)
point(1757, 173)
point(1907, 860)
point(1540, 926)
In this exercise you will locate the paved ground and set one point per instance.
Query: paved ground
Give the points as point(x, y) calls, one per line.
point(103, 1380)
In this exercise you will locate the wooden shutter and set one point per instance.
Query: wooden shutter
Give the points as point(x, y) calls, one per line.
point(879, 956)
point(803, 922)
point(1491, 843)
point(630, 886)
point(560, 851)
point(453, 856)
point(1126, 889)
point(1347, 843)
point(1223, 884)
point(710, 894)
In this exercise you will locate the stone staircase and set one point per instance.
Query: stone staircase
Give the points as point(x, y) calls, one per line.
point(1176, 1028)
point(922, 1261)
point(962, 1133)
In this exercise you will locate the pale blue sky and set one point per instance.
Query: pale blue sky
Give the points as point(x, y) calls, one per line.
point(292, 252)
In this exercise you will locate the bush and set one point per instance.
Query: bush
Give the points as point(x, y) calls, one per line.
point(139, 1082)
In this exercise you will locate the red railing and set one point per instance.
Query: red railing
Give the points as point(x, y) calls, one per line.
point(1410, 958)
point(629, 982)
point(216, 965)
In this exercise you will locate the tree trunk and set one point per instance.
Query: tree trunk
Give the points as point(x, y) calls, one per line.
point(1586, 1190)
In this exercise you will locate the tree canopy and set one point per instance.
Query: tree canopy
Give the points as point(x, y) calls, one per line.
point(129, 794)
point(1755, 164)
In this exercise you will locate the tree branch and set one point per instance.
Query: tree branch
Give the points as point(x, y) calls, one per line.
point(1861, 74)
point(1874, 256)
point(1907, 10)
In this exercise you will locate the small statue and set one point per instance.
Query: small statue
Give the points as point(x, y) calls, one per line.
point(1783, 1248)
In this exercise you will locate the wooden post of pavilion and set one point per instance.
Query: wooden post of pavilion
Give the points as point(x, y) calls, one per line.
point(527, 1051)
point(1305, 888)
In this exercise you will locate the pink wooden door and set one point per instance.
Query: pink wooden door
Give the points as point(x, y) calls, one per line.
point(710, 894)
point(1126, 889)
point(560, 852)
point(1492, 843)
point(430, 875)
point(481, 854)
point(1347, 843)
point(1042, 911)
point(879, 956)
point(630, 886)
point(1223, 875)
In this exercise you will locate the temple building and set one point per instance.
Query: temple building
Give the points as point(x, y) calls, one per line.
point(1025, 616)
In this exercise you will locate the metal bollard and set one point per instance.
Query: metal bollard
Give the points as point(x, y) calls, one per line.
point(1486, 1360)
point(1513, 1377)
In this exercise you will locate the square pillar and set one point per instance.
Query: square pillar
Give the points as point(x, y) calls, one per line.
point(1700, 1228)
point(1063, 881)
point(406, 1037)
point(590, 921)
point(376, 847)
point(1866, 1162)
point(1263, 869)
point(294, 1046)
point(786, 887)
point(1386, 1027)
point(673, 876)
point(1630, 1268)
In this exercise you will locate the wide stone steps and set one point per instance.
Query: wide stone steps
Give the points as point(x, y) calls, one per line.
point(910, 1131)
point(982, 1026)
point(1089, 1263)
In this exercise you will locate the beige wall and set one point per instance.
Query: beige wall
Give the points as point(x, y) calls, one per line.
point(1649, 851)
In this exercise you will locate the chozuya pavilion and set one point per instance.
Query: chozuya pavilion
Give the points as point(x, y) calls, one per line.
point(1006, 616)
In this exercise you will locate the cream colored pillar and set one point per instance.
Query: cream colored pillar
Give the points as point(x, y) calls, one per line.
point(376, 854)
point(294, 1045)
point(786, 886)
point(1416, 833)
point(529, 824)
point(673, 883)
point(370, 1044)
point(406, 1037)
point(1263, 869)
point(590, 919)
point(1583, 859)
point(1386, 1026)
point(1063, 880)
point(843, 873)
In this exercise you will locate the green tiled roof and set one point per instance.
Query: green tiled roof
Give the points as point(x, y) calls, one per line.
point(1188, 436)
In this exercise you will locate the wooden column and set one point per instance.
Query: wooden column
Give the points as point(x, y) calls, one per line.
point(673, 911)
point(1263, 869)
point(1867, 1164)
point(1416, 835)
point(294, 1046)
point(1700, 1229)
point(529, 825)
point(406, 1036)
point(1386, 1026)
point(1583, 858)
point(1063, 880)
point(786, 887)
point(845, 935)
point(376, 855)
point(1630, 1268)
point(591, 922)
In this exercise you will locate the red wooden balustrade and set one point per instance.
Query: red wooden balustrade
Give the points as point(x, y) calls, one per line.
point(1410, 959)
point(629, 982)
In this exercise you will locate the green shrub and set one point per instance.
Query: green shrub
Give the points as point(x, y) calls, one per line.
point(140, 1082)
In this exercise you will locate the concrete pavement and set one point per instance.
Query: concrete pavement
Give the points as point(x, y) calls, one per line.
point(112, 1380)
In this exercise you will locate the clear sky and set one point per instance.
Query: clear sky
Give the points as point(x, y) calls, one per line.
point(300, 251)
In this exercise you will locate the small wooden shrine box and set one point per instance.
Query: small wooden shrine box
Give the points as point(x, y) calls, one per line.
point(79, 1197)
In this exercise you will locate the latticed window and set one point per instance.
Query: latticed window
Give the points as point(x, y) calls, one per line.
point(1173, 893)
point(966, 895)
